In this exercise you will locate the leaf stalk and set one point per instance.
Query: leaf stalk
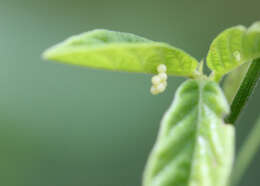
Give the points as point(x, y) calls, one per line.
point(244, 92)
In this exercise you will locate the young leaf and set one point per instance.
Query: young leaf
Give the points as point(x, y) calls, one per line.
point(121, 51)
point(194, 146)
point(233, 47)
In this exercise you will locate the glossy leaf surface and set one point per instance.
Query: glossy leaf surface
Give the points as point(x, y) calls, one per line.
point(194, 146)
point(122, 52)
point(233, 47)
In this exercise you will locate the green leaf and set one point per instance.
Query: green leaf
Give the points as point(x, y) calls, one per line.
point(232, 48)
point(194, 146)
point(233, 80)
point(123, 52)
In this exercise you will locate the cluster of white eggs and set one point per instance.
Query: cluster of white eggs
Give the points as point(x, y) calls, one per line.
point(159, 81)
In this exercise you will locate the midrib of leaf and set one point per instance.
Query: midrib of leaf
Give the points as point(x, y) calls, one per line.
point(199, 106)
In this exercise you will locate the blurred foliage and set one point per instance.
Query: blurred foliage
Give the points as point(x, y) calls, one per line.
point(63, 125)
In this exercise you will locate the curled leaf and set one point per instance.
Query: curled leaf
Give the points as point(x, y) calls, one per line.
point(122, 52)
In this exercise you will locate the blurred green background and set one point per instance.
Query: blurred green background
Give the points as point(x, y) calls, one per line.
point(63, 125)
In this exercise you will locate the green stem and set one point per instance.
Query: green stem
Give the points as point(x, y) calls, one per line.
point(245, 91)
point(246, 154)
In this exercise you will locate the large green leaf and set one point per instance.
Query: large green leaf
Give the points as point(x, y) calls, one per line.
point(122, 51)
point(194, 146)
point(233, 47)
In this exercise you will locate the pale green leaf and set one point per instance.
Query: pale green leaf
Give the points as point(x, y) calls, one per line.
point(233, 80)
point(122, 52)
point(233, 47)
point(194, 146)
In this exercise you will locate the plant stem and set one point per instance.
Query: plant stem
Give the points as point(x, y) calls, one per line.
point(246, 153)
point(245, 91)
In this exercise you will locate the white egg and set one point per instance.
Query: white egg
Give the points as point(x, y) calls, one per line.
point(163, 76)
point(156, 80)
point(161, 68)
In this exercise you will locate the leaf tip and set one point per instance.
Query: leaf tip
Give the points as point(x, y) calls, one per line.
point(46, 55)
point(50, 53)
